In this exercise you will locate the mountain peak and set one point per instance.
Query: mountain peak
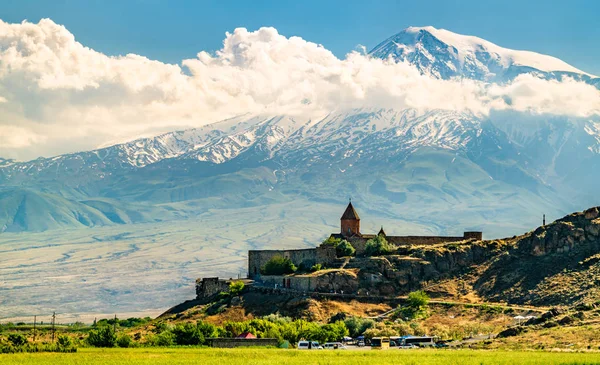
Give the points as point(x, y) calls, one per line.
point(445, 54)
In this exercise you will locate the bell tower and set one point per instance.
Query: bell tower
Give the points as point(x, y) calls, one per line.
point(350, 222)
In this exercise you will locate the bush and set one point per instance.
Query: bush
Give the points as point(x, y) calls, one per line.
point(418, 300)
point(344, 248)
point(378, 246)
point(316, 267)
point(236, 287)
point(124, 340)
point(357, 326)
point(278, 266)
point(416, 306)
point(17, 339)
point(64, 342)
point(164, 338)
point(332, 241)
point(161, 327)
point(103, 336)
point(379, 330)
point(207, 330)
point(188, 334)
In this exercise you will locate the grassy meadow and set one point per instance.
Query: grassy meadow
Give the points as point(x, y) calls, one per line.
point(208, 356)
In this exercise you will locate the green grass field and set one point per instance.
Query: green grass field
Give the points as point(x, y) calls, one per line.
point(206, 356)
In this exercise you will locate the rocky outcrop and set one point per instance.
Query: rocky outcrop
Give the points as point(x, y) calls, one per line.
point(579, 232)
point(337, 281)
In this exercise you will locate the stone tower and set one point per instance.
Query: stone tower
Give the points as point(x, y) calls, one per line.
point(350, 222)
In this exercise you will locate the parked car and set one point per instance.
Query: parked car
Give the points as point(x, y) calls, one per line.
point(334, 346)
point(360, 343)
point(309, 345)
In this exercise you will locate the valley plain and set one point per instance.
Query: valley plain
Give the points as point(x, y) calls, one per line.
point(275, 356)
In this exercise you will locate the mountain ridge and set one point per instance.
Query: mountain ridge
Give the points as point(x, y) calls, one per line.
point(394, 160)
point(443, 54)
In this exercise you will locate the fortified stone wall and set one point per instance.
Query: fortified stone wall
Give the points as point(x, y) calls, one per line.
point(326, 255)
point(305, 257)
point(360, 243)
point(299, 283)
point(327, 281)
point(207, 287)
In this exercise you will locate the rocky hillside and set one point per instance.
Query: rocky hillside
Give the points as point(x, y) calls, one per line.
point(556, 264)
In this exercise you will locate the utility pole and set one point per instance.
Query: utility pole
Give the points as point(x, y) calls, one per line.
point(53, 323)
point(34, 320)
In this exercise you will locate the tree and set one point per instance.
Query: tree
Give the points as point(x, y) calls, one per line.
point(416, 306)
point(418, 300)
point(378, 246)
point(344, 248)
point(207, 330)
point(188, 334)
point(380, 330)
point(236, 287)
point(279, 266)
point(103, 336)
point(165, 338)
point(357, 326)
point(331, 241)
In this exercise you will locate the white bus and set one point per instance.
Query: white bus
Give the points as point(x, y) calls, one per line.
point(421, 341)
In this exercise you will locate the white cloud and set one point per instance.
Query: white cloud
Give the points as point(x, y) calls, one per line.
point(60, 95)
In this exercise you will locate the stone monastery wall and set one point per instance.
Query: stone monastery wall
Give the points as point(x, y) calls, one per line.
point(305, 257)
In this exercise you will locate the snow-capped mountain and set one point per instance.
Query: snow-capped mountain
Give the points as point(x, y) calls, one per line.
point(436, 168)
point(444, 54)
point(380, 156)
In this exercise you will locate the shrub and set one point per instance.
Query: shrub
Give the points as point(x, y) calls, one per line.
point(333, 332)
point(357, 326)
point(17, 339)
point(160, 327)
point(316, 267)
point(331, 241)
point(277, 318)
point(344, 248)
point(489, 309)
point(378, 246)
point(236, 287)
point(103, 336)
point(380, 329)
point(188, 334)
point(207, 330)
point(124, 340)
point(64, 342)
point(278, 266)
point(417, 300)
point(416, 306)
point(165, 338)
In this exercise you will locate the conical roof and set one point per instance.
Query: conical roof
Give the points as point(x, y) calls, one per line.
point(350, 213)
point(381, 232)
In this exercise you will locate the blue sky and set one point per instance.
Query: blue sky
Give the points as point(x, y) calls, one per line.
point(173, 30)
